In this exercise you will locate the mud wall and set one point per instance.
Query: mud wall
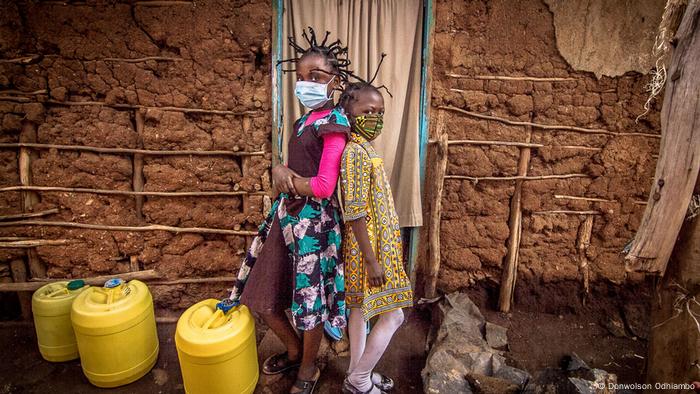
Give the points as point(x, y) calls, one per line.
point(505, 38)
point(212, 55)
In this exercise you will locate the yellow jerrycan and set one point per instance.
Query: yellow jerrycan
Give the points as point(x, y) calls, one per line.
point(116, 332)
point(216, 347)
point(51, 306)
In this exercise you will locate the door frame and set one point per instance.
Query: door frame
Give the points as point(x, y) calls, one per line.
point(412, 233)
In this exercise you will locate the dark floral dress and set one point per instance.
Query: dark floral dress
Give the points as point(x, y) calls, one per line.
point(297, 248)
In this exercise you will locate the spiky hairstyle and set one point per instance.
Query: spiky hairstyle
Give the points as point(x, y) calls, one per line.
point(335, 54)
point(350, 93)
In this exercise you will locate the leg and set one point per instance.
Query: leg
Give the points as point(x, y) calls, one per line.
point(279, 324)
point(358, 337)
point(308, 370)
point(377, 343)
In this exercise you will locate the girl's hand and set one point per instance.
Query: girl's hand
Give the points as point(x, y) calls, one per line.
point(283, 179)
point(375, 273)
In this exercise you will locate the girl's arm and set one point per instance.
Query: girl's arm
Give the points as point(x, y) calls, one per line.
point(323, 184)
point(375, 273)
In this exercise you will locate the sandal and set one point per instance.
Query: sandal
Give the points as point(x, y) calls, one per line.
point(307, 386)
point(382, 382)
point(348, 388)
point(279, 363)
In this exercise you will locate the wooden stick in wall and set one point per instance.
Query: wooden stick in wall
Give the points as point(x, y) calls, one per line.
point(32, 243)
point(510, 270)
point(441, 151)
point(545, 126)
point(33, 285)
point(246, 125)
point(152, 227)
point(137, 177)
point(515, 178)
point(19, 275)
point(510, 78)
point(126, 192)
point(582, 243)
point(29, 199)
point(29, 215)
point(147, 152)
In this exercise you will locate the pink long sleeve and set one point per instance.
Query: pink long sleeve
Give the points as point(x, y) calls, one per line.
point(323, 184)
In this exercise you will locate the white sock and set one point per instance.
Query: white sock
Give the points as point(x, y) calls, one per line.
point(358, 336)
point(377, 342)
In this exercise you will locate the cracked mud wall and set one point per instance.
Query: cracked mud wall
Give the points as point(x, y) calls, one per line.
point(505, 38)
point(220, 54)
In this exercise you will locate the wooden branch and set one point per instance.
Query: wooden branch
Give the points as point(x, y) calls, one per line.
point(141, 59)
point(29, 215)
point(577, 147)
point(510, 78)
point(31, 243)
point(134, 264)
point(510, 272)
point(20, 92)
point(679, 162)
point(162, 3)
point(172, 109)
point(217, 279)
point(34, 284)
point(594, 199)
point(37, 269)
point(14, 238)
point(434, 260)
point(152, 227)
point(23, 59)
point(515, 178)
point(128, 192)
point(19, 275)
point(16, 99)
point(545, 126)
point(147, 152)
point(137, 179)
point(566, 212)
point(479, 142)
point(582, 243)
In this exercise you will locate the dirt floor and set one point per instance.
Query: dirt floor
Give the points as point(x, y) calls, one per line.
point(537, 341)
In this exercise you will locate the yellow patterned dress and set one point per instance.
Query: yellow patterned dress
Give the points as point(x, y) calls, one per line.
point(366, 194)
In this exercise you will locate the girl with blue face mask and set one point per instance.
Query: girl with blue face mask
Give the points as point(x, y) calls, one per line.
point(294, 262)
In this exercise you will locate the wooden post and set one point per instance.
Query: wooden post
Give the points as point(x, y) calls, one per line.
point(674, 341)
point(29, 199)
point(438, 182)
point(19, 275)
point(137, 164)
point(679, 160)
point(245, 164)
point(134, 264)
point(510, 271)
point(583, 241)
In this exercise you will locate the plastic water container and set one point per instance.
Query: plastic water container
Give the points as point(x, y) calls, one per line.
point(216, 348)
point(116, 332)
point(51, 306)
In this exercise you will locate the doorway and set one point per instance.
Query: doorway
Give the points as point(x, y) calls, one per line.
point(399, 28)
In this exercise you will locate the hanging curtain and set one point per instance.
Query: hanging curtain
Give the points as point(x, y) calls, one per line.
point(369, 28)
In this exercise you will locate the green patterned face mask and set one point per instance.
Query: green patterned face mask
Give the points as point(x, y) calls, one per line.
point(369, 126)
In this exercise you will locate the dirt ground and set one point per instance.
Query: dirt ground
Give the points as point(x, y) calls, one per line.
point(537, 340)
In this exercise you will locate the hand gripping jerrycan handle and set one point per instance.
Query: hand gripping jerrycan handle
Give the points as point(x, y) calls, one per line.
point(222, 308)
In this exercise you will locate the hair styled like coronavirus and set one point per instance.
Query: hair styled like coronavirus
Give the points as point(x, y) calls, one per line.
point(335, 54)
point(352, 90)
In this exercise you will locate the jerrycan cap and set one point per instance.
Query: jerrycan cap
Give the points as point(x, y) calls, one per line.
point(75, 284)
point(112, 283)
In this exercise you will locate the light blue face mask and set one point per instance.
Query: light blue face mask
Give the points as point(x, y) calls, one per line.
point(312, 94)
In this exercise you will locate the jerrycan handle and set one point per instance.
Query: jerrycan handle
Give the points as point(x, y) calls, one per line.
point(227, 304)
point(222, 307)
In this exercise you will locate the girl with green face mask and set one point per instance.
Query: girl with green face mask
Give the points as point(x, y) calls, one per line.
point(375, 284)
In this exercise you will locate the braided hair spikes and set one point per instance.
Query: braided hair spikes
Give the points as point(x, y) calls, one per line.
point(335, 54)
